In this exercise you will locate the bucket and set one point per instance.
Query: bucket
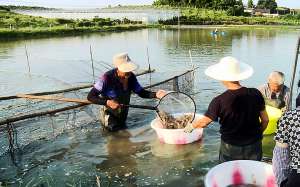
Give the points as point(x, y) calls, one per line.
point(176, 136)
point(274, 114)
point(240, 172)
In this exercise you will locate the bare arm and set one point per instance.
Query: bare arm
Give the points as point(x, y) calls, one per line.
point(264, 120)
point(202, 123)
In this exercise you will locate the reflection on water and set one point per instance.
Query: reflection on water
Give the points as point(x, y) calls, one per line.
point(77, 151)
point(146, 16)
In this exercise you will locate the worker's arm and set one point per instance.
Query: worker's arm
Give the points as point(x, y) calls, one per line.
point(210, 115)
point(140, 91)
point(264, 120)
point(93, 96)
point(97, 90)
point(202, 123)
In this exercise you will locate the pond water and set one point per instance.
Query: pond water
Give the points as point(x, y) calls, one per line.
point(81, 152)
point(144, 15)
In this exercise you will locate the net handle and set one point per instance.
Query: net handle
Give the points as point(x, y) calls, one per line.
point(156, 107)
point(141, 107)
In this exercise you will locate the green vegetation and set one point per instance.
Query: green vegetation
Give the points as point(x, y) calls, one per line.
point(212, 12)
point(232, 7)
point(250, 4)
point(14, 25)
point(12, 7)
point(267, 4)
point(62, 31)
point(199, 16)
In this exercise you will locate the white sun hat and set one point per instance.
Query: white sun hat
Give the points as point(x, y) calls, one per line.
point(124, 63)
point(229, 69)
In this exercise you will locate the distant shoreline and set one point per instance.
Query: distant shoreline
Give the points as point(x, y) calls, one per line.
point(21, 26)
point(235, 26)
point(26, 33)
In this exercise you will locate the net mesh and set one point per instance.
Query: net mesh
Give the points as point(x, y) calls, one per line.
point(176, 110)
point(20, 133)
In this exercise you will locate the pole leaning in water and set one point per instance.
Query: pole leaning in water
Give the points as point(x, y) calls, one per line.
point(289, 104)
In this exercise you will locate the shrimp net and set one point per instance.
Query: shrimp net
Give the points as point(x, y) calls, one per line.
point(176, 110)
point(24, 121)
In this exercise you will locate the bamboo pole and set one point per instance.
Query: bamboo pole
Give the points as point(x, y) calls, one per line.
point(289, 105)
point(81, 103)
point(149, 67)
point(28, 116)
point(55, 98)
point(28, 65)
point(91, 54)
point(64, 90)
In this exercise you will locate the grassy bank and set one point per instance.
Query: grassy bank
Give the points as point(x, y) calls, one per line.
point(7, 34)
point(197, 16)
point(14, 25)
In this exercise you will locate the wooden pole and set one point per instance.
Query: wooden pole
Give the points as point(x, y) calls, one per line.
point(28, 65)
point(289, 105)
point(54, 98)
point(81, 103)
point(191, 59)
point(91, 54)
point(64, 90)
point(149, 67)
point(28, 116)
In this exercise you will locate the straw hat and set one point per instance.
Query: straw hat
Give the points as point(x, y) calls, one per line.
point(124, 63)
point(229, 69)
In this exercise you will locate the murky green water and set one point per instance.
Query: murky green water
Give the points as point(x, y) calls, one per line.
point(133, 157)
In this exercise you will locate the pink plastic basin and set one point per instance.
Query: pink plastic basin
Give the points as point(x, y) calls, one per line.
point(241, 172)
point(176, 136)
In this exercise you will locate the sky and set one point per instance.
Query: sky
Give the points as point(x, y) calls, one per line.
point(104, 3)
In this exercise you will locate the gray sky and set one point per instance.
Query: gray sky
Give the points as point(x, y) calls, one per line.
point(102, 3)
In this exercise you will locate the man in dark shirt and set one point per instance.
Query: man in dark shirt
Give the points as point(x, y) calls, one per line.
point(238, 110)
point(115, 88)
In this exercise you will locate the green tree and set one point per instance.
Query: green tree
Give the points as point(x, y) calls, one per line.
point(250, 4)
point(267, 4)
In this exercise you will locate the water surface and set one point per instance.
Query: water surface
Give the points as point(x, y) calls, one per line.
point(70, 149)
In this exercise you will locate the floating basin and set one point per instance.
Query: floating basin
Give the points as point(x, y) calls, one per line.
point(176, 136)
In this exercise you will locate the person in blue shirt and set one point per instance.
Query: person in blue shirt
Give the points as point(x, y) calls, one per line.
point(114, 88)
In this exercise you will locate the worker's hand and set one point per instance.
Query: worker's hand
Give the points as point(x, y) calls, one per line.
point(160, 94)
point(112, 104)
point(188, 128)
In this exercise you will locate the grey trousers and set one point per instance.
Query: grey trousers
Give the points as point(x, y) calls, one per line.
point(230, 152)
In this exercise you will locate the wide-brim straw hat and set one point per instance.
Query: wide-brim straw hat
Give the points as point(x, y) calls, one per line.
point(124, 63)
point(229, 69)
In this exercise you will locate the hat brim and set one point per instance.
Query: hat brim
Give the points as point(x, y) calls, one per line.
point(127, 67)
point(219, 73)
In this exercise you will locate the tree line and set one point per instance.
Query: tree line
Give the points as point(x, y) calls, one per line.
point(233, 7)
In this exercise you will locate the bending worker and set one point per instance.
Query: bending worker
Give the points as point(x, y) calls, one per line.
point(237, 110)
point(275, 93)
point(115, 88)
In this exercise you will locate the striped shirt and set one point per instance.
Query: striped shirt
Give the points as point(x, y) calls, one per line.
point(270, 97)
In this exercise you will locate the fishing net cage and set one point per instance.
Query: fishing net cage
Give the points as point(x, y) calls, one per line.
point(23, 121)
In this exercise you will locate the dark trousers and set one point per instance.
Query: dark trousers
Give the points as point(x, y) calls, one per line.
point(110, 122)
point(230, 152)
point(293, 180)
